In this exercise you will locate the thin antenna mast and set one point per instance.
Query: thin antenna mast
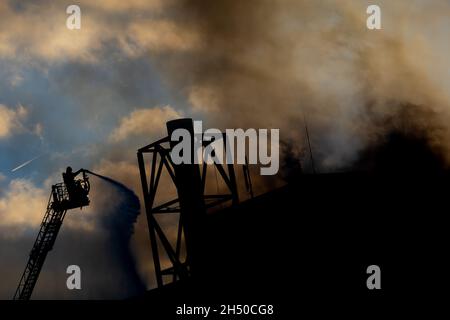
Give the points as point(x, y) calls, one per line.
point(309, 144)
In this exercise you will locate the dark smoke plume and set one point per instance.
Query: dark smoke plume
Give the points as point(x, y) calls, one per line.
point(266, 63)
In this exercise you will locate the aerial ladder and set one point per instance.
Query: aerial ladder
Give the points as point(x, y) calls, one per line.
point(63, 197)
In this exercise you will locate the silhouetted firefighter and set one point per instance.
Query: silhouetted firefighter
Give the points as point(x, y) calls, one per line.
point(77, 193)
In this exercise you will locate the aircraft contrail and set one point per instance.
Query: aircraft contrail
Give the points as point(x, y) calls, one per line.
point(25, 163)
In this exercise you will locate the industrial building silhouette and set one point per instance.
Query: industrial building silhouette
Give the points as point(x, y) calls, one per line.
point(307, 244)
point(311, 241)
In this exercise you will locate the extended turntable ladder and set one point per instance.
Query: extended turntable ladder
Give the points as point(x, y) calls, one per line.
point(45, 240)
point(58, 204)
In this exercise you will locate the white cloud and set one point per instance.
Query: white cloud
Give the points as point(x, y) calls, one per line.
point(149, 122)
point(147, 35)
point(129, 5)
point(204, 99)
point(132, 25)
point(23, 205)
point(11, 120)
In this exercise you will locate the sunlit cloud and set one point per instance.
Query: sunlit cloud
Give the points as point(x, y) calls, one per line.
point(41, 29)
point(149, 122)
point(22, 205)
point(11, 120)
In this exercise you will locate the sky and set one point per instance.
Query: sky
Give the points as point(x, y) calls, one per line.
point(90, 98)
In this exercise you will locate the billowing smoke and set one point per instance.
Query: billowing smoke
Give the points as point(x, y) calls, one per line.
point(268, 63)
